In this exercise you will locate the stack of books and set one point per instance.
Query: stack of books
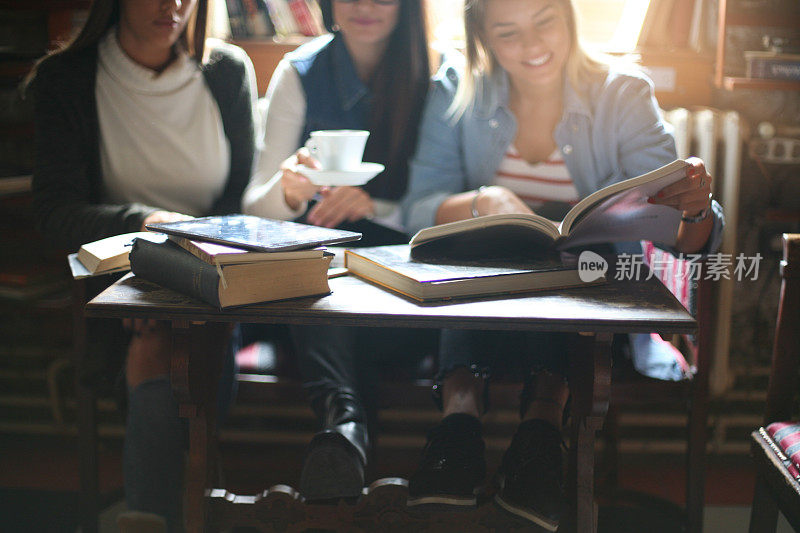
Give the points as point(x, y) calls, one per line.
point(224, 261)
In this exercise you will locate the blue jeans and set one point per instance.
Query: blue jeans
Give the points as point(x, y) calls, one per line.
point(156, 439)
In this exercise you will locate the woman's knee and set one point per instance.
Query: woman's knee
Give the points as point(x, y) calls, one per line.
point(148, 353)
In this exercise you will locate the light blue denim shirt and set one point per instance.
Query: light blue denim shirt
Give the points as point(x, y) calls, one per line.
point(611, 132)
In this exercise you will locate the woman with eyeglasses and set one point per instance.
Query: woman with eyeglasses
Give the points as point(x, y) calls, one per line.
point(370, 73)
point(140, 120)
point(529, 123)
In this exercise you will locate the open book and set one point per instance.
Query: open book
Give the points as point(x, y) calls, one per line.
point(619, 212)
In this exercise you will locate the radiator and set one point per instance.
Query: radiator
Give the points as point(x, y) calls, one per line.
point(717, 138)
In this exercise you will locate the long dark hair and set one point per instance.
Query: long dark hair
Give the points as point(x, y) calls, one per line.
point(399, 86)
point(103, 14)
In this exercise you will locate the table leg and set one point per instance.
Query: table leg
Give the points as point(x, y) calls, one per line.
point(194, 374)
point(86, 416)
point(590, 387)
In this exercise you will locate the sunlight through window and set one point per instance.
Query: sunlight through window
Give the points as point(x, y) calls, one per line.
point(606, 25)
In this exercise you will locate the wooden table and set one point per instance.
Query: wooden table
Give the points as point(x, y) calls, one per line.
point(596, 312)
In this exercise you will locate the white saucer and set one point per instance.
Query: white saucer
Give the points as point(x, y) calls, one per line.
point(342, 178)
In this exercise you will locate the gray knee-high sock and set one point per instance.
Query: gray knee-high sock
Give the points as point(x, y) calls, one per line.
point(154, 452)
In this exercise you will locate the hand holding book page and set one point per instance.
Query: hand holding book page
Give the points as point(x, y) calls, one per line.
point(619, 212)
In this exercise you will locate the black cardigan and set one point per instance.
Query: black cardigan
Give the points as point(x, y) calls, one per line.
point(67, 175)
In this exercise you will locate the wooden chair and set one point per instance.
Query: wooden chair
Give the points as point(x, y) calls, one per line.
point(631, 389)
point(778, 482)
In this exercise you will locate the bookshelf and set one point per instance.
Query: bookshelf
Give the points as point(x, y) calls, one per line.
point(33, 276)
point(750, 17)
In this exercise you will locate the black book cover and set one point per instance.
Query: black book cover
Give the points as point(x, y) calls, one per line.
point(170, 266)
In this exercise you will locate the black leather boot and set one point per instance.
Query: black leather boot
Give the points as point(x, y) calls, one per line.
point(337, 455)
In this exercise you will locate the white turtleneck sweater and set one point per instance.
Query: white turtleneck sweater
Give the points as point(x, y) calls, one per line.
point(162, 142)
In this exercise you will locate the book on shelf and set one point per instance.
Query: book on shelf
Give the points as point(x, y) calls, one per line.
point(394, 268)
point(15, 184)
point(773, 65)
point(237, 19)
point(308, 17)
point(223, 286)
point(257, 21)
point(282, 18)
point(219, 254)
point(111, 254)
point(619, 212)
point(255, 233)
point(31, 279)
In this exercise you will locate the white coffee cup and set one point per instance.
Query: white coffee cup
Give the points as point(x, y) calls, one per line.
point(338, 149)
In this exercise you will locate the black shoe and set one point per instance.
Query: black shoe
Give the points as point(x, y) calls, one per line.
point(337, 455)
point(453, 467)
point(530, 475)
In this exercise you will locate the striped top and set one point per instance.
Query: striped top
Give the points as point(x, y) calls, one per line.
point(548, 181)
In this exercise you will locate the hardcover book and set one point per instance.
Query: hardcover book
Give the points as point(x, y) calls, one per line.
point(619, 212)
point(393, 267)
point(281, 15)
point(773, 65)
point(255, 233)
point(308, 22)
point(111, 254)
point(237, 19)
point(170, 266)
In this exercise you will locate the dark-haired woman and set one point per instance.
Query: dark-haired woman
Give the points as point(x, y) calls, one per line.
point(137, 121)
point(371, 73)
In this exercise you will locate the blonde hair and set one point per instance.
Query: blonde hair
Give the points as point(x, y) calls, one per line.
point(581, 65)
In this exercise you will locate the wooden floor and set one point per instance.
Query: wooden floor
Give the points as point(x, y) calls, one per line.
point(39, 477)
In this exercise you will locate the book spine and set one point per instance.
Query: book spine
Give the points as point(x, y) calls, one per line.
point(236, 19)
point(170, 266)
point(281, 17)
point(303, 17)
point(256, 22)
point(774, 69)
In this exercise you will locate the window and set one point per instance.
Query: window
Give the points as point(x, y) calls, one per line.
point(607, 25)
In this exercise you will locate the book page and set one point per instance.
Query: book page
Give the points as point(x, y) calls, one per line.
point(498, 236)
point(631, 194)
point(625, 216)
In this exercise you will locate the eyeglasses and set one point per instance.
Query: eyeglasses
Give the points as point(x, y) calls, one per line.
point(379, 2)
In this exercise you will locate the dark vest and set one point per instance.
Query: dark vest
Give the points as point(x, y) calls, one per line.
point(337, 99)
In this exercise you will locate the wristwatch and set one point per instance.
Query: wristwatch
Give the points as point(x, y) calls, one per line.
point(699, 217)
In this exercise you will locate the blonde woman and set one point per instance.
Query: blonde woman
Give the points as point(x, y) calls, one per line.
point(530, 122)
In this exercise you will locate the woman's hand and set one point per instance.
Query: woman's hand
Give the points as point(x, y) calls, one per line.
point(339, 204)
point(485, 201)
point(296, 187)
point(163, 216)
point(495, 200)
point(690, 195)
